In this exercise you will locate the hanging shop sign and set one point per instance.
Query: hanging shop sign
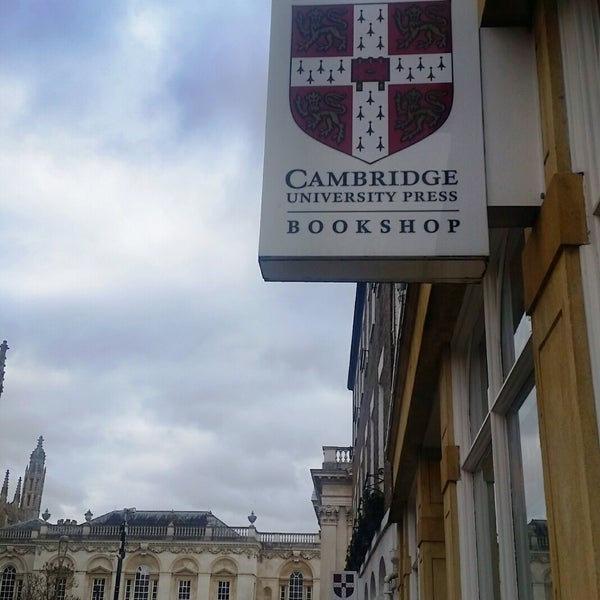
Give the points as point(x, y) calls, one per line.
point(374, 164)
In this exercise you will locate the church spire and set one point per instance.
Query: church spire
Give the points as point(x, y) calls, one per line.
point(4, 492)
point(17, 492)
point(33, 483)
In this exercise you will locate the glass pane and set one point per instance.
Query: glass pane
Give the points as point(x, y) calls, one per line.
point(223, 590)
point(478, 384)
point(142, 584)
point(531, 529)
point(296, 583)
point(7, 586)
point(516, 326)
point(98, 589)
point(185, 588)
point(485, 526)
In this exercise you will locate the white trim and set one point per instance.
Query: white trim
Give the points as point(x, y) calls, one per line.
point(520, 375)
point(492, 297)
point(479, 447)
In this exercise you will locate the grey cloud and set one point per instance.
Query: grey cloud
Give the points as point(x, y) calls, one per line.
point(165, 375)
point(33, 31)
point(219, 84)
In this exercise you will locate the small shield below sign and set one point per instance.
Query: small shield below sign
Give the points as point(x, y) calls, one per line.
point(345, 584)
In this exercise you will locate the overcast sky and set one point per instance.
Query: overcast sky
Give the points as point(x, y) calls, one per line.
point(161, 370)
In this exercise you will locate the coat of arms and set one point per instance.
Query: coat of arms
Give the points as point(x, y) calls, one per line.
point(344, 584)
point(370, 80)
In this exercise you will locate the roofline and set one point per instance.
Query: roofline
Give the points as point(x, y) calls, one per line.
point(359, 303)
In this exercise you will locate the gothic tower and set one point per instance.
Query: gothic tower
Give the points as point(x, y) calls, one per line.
point(3, 349)
point(33, 484)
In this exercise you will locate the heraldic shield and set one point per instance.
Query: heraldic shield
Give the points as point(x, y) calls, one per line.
point(344, 584)
point(370, 80)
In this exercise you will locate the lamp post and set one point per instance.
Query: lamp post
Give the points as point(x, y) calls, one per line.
point(63, 546)
point(121, 553)
point(61, 574)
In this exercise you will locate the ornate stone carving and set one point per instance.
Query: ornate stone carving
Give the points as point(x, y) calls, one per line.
point(289, 554)
point(328, 514)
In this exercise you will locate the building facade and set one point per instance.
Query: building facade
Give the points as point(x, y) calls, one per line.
point(476, 453)
point(332, 501)
point(169, 555)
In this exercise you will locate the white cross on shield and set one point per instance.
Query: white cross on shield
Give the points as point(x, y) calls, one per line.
point(345, 585)
point(370, 80)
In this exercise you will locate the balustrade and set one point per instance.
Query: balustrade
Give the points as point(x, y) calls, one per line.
point(337, 455)
point(140, 532)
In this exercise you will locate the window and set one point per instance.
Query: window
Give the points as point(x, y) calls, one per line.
point(529, 505)
point(515, 325)
point(144, 586)
point(185, 590)
point(60, 588)
point(127, 589)
point(502, 494)
point(478, 379)
point(485, 529)
point(223, 589)
point(296, 588)
point(296, 584)
point(98, 586)
point(7, 585)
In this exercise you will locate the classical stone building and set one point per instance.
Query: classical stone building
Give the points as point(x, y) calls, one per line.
point(332, 500)
point(175, 555)
point(476, 454)
point(27, 498)
point(170, 555)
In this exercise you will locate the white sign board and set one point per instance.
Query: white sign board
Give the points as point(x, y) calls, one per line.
point(374, 164)
point(344, 585)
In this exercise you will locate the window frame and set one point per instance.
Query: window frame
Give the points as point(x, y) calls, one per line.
point(187, 591)
point(132, 584)
point(223, 584)
point(96, 585)
point(8, 583)
point(505, 395)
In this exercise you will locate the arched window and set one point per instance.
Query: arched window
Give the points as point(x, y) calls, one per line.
point(142, 583)
point(296, 585)
point(7, 585)
point(223, 580)
point(145, 585)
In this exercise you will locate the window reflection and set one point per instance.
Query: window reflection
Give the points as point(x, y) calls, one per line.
point(529, 505)
point(478, 382)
